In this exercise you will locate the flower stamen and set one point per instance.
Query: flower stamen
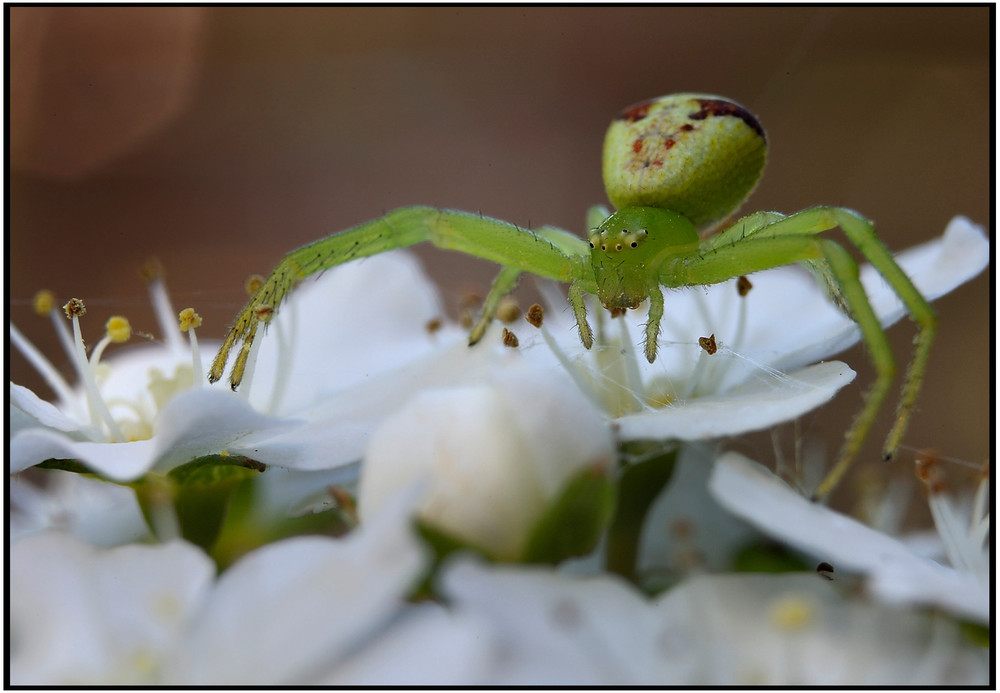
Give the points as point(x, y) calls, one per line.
point(41, 364)
point(153, 273)
point(189, 320)
point(45, 304)
point(98, 409)
point(117, 330)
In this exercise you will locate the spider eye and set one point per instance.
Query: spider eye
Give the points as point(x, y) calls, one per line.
point(592, 244)
point(634, 244)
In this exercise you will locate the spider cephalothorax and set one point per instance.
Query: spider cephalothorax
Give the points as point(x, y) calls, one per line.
point(627, 256)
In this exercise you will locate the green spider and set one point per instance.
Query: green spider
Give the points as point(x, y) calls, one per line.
point(674, 167)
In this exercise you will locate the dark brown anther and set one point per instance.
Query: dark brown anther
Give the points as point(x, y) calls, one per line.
point(264, 313)
point(75, 307)
point(708, 344)
point(535, 314)
point(509, 338)
point(743, 285)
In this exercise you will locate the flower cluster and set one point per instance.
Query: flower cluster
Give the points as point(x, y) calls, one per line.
point(382, 505)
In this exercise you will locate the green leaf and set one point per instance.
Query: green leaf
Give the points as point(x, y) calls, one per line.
point(646, 474)
point(65, 466)
point(573, 524)
point(976, 633)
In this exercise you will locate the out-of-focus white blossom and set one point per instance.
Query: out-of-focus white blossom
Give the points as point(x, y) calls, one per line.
point(496, 455)
point(894, 572)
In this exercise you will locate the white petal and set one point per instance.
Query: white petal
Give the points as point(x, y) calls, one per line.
point(195, 423)
point(800, 630)
point(99, 512)
point(429, 646)
point(344, 327)
point(496, 454)
point(116, 461)
point(756, 405)
point(819, 330)
point(27, 410)
point(751, 492)
point(80, 615)
point(552, 629)
point(285, 613)
point(204, 421)
point(340, 425)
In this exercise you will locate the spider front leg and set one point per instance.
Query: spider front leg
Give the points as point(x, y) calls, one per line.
point(550, 253)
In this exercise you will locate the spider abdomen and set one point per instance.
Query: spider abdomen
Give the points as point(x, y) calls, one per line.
point(696, 154)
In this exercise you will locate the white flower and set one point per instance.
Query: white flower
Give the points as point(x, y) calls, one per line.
point(159, 415)
point(544, 628)
point(100, 513)
point(894, 572)
point(801, 630)
point(288, 613)
point(496, 455)
point(80, 615)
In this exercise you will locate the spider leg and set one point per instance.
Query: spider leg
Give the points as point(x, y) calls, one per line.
point(550, 253)
point(792, 239)
point(653, 320)
point(862, 234)
point(502, 285)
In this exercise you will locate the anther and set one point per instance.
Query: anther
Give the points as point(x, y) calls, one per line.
point(253, 284)
point(708, 344)
point(188, 321)
point(433, 325)
point(509, 338)
point(264, 313)
point(535, 314)
point(75, 308)
point(44, 302)
point(118, 329)
point(743, 285)
point(508, 311)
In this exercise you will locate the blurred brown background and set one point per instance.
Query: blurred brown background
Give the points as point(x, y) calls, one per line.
point(218, 138)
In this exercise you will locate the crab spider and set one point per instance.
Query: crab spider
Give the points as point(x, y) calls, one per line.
point(673, 167)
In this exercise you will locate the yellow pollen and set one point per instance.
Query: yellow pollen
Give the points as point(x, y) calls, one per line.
point(118, 329)
point(75, 307)
point(44, 301)
point(188, 319)
point(253, 282)
point(224, 453)
point(792, 613)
